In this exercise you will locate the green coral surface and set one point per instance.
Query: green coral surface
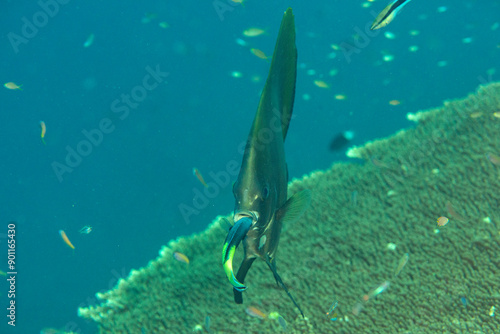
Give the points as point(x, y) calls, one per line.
point(363, 218)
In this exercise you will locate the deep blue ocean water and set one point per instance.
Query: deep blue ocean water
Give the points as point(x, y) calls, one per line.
point(130, 185)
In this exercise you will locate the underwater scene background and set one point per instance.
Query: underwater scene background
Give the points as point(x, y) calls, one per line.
point(77, 62)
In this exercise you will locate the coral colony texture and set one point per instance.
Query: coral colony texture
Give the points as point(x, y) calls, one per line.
point(362, 220)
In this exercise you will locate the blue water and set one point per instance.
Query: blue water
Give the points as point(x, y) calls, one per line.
point(130, 185)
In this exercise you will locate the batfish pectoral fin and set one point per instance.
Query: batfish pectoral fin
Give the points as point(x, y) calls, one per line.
point(240, 277)
point(272, 265)
point(294, 207)
point(236, 234)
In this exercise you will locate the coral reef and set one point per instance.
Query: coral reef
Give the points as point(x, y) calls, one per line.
point(363, 218)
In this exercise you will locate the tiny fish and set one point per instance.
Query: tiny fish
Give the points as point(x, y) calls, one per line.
point(321, 84)
point(259, 53)
point(253, 32)
point(282, 322)
point(65, 238)
point(402, 263)
point(388, 14)
point(44, 129)
point(89, 41)
point(86, 229)
point(181, 257)
point(442, 221)
point(330, 314)
point(207, 323)
point(452, 212)
point(197, 173)
point(262, 241)
point(381, 288)
point(11, 85)
point(255, 312)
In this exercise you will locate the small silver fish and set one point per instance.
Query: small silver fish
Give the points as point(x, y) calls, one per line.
point(282, 322)
point(402, 263)
point(86, 229)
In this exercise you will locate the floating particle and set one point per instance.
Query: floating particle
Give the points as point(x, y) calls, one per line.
point(442, 9)
point(164, 25)
point(340, 97)
point(467, 40)
point(442, 63)
point(391, 246)
point(306, 97)
point(442, 221)
point(496, 114)
point(311, 72)
point(335, 47)
point(476, 114)
point(389, 35)
point(414, 32)
point(253, 32)
point(394, 102)
point(321, 84)
point(492, 311)
point(413, 48)
point(495, 26)
point(487, 220)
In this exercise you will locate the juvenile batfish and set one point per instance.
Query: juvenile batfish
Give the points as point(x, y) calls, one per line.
point(197, 173)
point(402, 263)
point(388, 14)
point(181, 257)
point(65, 239)
point(44, 129)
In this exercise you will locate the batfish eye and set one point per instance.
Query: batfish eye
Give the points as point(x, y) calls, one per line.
point(265, 192)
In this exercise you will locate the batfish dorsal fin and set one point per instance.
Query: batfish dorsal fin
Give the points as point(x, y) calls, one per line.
point(280, 84)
